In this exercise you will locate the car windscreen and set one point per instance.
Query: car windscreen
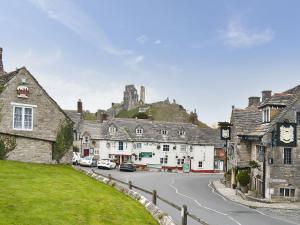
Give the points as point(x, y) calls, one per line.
point(88, 158)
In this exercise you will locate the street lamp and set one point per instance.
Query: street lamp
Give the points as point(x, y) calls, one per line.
point(225, 134)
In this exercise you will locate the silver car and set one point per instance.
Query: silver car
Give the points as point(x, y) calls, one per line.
point(88, 161)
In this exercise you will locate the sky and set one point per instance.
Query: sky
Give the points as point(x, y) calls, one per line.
point(206, 54)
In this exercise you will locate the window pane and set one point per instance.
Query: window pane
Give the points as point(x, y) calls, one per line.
point(28, 118)
point(287, 192)
point(287, 156)
point(292, 193)
point(120, 145)
point(166, 148)
point(18, 118)
point(281, 192)
point(298, 118)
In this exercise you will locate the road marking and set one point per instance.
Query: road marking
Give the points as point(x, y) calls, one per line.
point(213, 191)
point(200, 205)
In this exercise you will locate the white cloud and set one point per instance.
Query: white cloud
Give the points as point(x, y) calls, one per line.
point(142, 39)
point(134, 62)
point(238, 35)
point(70, 15)
point(157, 42)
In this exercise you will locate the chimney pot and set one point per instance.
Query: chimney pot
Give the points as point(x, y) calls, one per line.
point(266, 94)
point(254, 101)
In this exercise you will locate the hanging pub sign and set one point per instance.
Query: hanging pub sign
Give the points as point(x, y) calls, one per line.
point(287, 134)
point(225, 133)
point(225, 130)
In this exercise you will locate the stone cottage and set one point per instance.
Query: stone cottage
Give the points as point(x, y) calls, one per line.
point(264, 140)
point(30, 117)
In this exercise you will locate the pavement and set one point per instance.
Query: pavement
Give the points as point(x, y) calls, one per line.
point(230, 194)
point(196, 191)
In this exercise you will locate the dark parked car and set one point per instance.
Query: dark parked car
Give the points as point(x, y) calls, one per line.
point(127, 167)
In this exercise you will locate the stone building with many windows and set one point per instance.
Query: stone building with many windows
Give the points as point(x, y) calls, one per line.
point(149, 143)
point(264, 141)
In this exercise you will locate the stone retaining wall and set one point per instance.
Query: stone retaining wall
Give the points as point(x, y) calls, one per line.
point(157, 213)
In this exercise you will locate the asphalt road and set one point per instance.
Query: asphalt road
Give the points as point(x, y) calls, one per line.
point(195, 191)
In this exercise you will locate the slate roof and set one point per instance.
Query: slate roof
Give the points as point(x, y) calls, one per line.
point(74, 116)
point(126, 130)
point(246, 120)
point(278, 99)
point(6, 77)
point(249, 121)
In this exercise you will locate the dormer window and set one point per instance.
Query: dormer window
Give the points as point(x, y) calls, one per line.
point(112, 129)
point(86, 139)
point(266, 115)
point(163, 132)
point(139, 131)
point(181, 133)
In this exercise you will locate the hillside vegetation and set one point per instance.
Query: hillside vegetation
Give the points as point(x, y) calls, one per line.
point(165, 112)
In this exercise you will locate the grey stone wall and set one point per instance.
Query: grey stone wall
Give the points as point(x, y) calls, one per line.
point(29, 150)
point(281, 175)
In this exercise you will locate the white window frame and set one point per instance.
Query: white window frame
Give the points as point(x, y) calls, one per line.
point(266, 115)
point(181, 133)
point(112, 129)
point(23, 107)
point(138, 145)
point(139, 131)
point(199, 164)
point(164, 132)
point(166, 148)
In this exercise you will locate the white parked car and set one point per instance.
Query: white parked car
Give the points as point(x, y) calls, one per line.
point(76, 158)
point(106, 163)
point(88, 161)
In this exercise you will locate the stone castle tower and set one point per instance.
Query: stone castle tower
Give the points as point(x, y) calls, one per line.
point(1, 62)
point(142, 95)
point(131, 97)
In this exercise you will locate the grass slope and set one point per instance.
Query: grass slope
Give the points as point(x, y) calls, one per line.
point(164, 112)
point(57, 194)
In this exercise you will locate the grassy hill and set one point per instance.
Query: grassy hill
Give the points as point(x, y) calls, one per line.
point(165, 112)
point(56, 194)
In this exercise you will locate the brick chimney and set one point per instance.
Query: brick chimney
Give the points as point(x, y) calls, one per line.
point(254, 101)
point(266, 94)
point(79, 106)
point(1, 62)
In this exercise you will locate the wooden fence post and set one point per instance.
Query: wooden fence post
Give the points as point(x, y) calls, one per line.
point(184, 215)
point(130, 185)
point(154, 197)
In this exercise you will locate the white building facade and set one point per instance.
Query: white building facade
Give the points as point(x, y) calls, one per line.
point(149, 144)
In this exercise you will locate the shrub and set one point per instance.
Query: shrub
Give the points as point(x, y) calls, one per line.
point(7, 144)
point(140, 116)
point(243, 178)
point(64, 141)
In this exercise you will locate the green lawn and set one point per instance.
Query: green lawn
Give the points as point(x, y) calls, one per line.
point(57, 194)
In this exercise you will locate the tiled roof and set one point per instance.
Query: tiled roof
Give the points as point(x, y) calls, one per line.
point(126, 130)
point(279, 99)
point(246, 120)
point(74, 116)
point(249, 121)
point(4, 78)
